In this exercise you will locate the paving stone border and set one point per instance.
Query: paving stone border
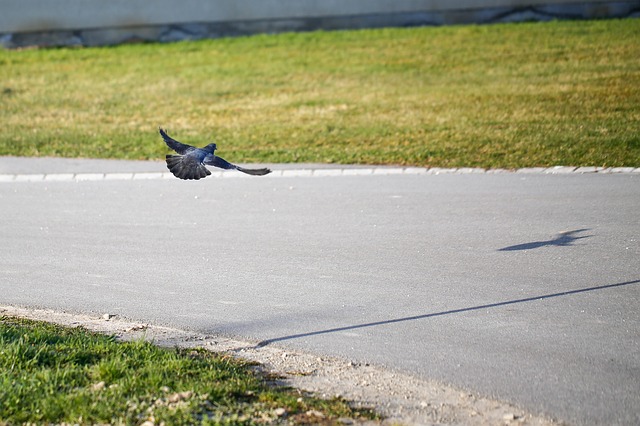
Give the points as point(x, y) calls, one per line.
point(319, 172)
point(203, 30)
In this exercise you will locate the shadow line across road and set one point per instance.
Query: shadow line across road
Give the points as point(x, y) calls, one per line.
point(442, 313)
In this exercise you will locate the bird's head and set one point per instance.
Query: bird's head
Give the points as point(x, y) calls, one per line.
point(211, 147)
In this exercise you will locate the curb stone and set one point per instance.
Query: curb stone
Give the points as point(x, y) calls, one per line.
point(319, 172)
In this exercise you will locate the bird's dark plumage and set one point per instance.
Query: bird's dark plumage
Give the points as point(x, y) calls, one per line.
point(190, 161)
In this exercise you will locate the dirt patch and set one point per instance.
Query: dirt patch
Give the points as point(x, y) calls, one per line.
point(399, 397)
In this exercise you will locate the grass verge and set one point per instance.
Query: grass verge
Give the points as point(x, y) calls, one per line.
point(51, 374)
point(508, 95)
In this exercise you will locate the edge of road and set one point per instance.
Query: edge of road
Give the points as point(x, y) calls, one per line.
point(400, 397)
point(42, 169)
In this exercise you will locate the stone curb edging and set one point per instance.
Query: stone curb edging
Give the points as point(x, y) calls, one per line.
point(320, 172)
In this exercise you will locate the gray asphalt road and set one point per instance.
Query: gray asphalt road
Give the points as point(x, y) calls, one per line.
point(523, 287)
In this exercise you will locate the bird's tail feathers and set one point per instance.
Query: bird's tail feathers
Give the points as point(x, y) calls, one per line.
point(177, 167)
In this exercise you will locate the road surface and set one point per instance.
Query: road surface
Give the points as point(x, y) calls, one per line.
point(523, 287)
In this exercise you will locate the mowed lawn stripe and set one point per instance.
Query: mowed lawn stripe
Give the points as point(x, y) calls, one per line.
point(493, 96)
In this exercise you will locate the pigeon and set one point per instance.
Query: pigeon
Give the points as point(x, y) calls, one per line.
point(190, 162)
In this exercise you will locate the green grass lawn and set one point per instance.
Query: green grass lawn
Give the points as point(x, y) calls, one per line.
point(512, 95)
point(50, 374)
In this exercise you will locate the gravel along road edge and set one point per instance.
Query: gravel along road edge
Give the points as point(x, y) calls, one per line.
point(400, 398)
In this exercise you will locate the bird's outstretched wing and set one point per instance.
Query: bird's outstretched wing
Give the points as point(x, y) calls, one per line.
point(255, 172)
point(179, 147)
point(186, 167)
point(224, 164)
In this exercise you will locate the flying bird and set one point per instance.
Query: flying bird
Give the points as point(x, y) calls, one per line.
point(190, 161)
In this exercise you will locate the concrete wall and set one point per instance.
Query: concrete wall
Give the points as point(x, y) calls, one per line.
point(96, 22)
point(47, 15)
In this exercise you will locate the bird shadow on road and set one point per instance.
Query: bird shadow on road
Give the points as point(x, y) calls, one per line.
point(443, 313)
point(564, 239)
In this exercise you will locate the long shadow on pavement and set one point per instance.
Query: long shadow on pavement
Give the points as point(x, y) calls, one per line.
point(438, 314)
